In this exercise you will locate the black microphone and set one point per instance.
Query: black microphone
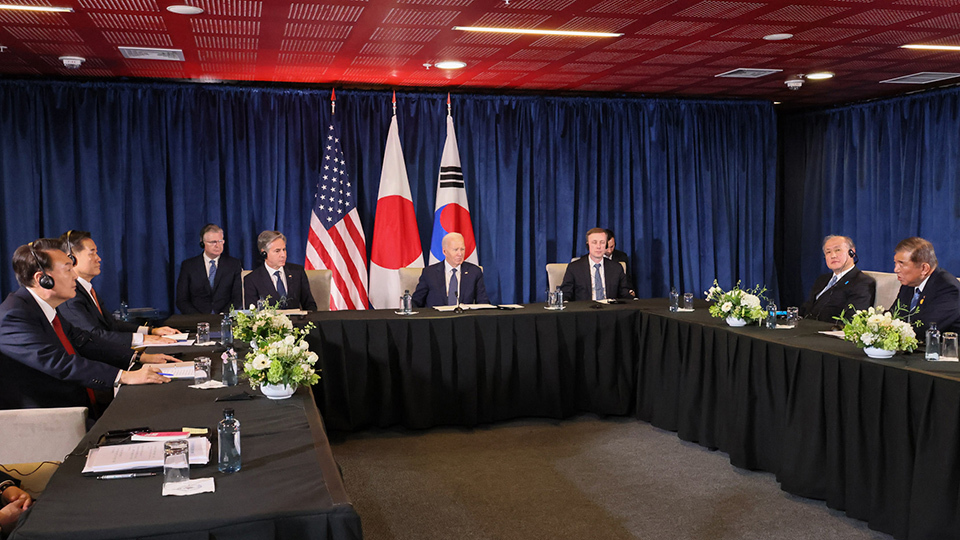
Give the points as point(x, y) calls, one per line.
point(457, 309)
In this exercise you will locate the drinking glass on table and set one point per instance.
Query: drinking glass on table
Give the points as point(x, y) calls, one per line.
point(688, 301)
point(201, 369)
point(949, 351)
point(793, 317)
point(203, 333)
point(176, 461)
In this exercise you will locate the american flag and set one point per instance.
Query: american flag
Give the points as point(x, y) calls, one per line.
point(336, 237)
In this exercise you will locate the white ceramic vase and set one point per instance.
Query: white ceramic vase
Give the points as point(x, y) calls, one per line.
point(874, 352)
point(277, 391)
point(735, 321)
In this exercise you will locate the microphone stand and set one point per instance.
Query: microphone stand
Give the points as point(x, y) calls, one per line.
point(457, 309)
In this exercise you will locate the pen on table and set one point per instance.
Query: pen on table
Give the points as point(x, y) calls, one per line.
point(128, 475)
point(165, 374)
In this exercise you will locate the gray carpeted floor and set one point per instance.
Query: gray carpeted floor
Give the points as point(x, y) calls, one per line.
point(585, 478)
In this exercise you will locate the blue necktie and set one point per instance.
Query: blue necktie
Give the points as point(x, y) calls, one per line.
point(833, 281)
point(213, 272)
point(916, 299)
point(597, 284)
point(281, 290)
point(452, 290)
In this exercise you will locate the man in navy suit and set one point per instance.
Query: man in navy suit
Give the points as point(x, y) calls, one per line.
point(452, 281)
point(44, 360)
point(595, 277)
point(930, 293)
point(85, 310)
point(210, 282)
point(276, 280)
point(834, 292)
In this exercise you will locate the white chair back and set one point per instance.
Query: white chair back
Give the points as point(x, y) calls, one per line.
point(320, 282)
point(409, 277)
point(887, 288)
point(31, 435)
point(555, 272)
point(243, 288)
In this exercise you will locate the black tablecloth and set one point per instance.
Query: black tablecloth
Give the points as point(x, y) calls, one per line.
point(289, 486)
point(878, 439)
point(875, 438)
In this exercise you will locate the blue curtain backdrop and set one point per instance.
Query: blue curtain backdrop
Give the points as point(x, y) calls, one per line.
point(877, 172)
point(688, 186)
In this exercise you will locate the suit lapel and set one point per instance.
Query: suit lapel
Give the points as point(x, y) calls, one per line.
point(93, 305)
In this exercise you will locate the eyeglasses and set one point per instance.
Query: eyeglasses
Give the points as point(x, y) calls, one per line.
point(215, 242)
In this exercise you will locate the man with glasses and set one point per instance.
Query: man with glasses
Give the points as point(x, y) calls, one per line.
point(209, 282)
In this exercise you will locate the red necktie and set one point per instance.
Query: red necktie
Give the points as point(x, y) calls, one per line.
point(96, 300)
point(58, 328)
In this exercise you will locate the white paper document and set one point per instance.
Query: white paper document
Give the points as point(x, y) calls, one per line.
point(189, 487)
point(145, 455)
point(465, 307)
point(178, 370)
point(834, 333)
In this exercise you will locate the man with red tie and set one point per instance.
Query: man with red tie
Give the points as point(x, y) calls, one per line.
point(45, 361)
point(85, 310)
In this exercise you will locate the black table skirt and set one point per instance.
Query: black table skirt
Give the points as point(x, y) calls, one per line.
point(875, 438)
point(436, 369)
point(878, 439)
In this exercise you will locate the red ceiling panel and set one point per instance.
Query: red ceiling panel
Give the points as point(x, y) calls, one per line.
point(674, 47)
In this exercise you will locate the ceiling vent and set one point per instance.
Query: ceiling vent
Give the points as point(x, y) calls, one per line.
point(144, 53)
point(748, 73)
point(923, 77)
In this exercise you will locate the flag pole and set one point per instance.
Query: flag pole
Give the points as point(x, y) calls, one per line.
point(333, 101)
point(448, 104)
point(394, 102)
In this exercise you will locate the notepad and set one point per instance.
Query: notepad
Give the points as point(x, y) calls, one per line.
point(465, 307)
point(137, 456)
point(178, 370)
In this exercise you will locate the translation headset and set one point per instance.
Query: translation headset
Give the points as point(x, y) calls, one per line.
point(70, 254)
point(853, 255)
point(263, 254)
point(45, 281)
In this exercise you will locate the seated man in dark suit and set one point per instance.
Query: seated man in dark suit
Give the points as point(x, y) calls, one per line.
point(276, 280)
point(616, 255)
point(210, 282)
point(845, 285)
point(44, 360)
point(452, 281)
point(595, 277)
point(86, 312)
point(931, 293)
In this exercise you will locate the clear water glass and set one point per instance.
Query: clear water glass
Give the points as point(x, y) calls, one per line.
point(176, 461)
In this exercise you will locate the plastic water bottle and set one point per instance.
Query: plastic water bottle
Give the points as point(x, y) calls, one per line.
point(226, 331)
point(228, 437)
point(124, 311)
point(772, 316)
point(229, 377)
point(933, 343)
point(406, 302)
point(674, 300)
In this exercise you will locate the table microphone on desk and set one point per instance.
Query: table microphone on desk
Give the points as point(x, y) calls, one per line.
point(458, 309)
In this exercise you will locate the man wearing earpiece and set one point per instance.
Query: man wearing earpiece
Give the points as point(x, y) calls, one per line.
point(210, 282)
point(595, 277)
point(44, 360)
point(844, 285)
point(277, 280)
point(930, 293)
point(87, 312)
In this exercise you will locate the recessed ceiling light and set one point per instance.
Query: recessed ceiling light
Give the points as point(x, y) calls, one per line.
point(48, 9)
point(184, 10)
point(777, 37)
point(571, 33)
point(451, 64)
point(776, 102)
point(932, 47)
point(820, 76)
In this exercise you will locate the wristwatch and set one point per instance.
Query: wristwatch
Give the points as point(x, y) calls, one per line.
point(6, 484)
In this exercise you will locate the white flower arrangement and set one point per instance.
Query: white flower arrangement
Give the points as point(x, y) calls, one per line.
point(260, 325)
point(874, 327)
point(737, 303)
point(283, 360)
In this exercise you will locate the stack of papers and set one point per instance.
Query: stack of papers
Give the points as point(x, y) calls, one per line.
point(465, 307)
point(146, 455)
point(178, 370)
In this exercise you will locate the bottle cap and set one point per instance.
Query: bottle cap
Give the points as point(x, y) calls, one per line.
point(228, 411)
